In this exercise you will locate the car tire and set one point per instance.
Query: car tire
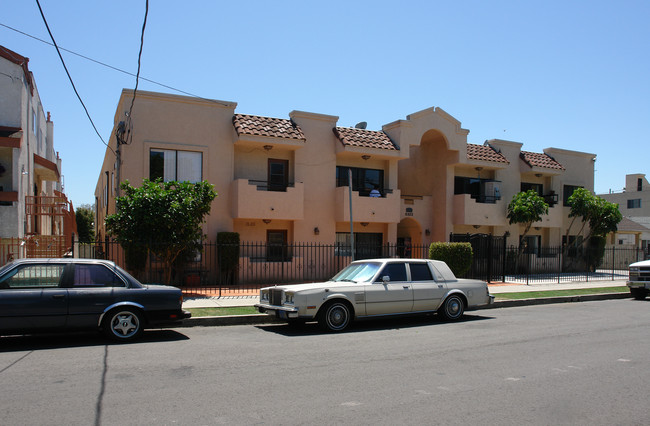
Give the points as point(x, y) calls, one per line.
point(638, 293)
point(335, 316)
point(452, 308)
point(123, 324)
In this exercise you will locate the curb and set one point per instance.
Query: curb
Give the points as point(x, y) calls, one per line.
point(257, 319)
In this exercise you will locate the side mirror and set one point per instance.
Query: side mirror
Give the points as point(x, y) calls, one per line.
point(385, 279)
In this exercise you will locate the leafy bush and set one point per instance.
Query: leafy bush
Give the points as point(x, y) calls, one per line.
point(458, 256)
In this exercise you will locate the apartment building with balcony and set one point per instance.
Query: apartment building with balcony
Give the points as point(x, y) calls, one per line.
point(36, 218)
point(287, 180)
point(634, 203)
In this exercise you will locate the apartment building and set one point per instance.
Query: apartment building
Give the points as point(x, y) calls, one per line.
point(415, 181)
point(634, 203)
point(36, 219)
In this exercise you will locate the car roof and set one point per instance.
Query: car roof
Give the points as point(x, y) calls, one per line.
point(60, 260)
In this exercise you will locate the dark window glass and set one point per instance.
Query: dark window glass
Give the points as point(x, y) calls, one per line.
point(568, 191)
point(363, 180)
point(634, 204)
point(95, 276)
point(277, 250)
point(278, 175)
point(396, 272)
point(420, 272)
point(538, 187)
point(156, 165)
point(33, 276)
point(639, 185)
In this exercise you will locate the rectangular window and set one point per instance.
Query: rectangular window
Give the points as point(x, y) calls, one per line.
point(175, 165)
point(278, 174)
point(568, 191)
point(634, 204)
point(368, 245)
point(95, 276)
point(33, 276)
point(482, 190)
point(363, 180)
point(420, 272)
point(537, 187)
point(277, 249)
point(639, 185)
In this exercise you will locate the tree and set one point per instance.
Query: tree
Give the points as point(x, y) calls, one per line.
point(85, 217)
point(163, 218)
point(602, 216)
point(525, 209)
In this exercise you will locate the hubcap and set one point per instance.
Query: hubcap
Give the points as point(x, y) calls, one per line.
point(125, 324)
point(337, 317)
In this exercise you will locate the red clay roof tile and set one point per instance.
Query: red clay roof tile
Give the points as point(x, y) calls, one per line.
point(534, 159)
point(266, 126)
point(364, 138)
point(484, 153)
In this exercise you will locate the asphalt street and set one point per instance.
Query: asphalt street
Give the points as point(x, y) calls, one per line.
point(573, 363)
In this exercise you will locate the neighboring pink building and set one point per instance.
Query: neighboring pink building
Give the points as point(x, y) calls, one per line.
point(286, 179)
point(36, 218)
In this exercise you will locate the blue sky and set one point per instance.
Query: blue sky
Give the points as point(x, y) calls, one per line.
point(567, 74)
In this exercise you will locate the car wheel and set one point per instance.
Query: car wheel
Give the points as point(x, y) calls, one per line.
point(335, 316)
point(638, 293)
point(123, 324)
point(452, 308)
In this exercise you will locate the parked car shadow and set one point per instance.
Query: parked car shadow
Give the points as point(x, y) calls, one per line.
point(31, 342)
point(360, 326)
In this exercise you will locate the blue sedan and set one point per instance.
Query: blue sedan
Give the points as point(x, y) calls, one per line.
point(40, 295)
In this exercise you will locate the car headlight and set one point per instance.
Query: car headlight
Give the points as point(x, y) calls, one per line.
point(288, 298)
point(264, 295)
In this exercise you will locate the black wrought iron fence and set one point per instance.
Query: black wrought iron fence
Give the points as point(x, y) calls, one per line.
point(242, 269)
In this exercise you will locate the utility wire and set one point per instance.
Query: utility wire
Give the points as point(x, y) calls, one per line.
point(70, 77)
point(110, 66)
point(137, 75)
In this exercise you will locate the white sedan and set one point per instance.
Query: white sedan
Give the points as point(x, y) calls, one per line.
point(376, 287)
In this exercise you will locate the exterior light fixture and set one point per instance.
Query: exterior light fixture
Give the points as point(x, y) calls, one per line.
point(364, 223)
point(365, 157)
point(316, 231)
point(268, 147)
point(267, 221)
point(427, 232)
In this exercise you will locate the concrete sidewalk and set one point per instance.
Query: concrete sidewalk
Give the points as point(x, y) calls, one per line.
point(233, 301)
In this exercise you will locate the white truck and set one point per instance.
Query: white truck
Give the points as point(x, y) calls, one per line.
point(639, 281)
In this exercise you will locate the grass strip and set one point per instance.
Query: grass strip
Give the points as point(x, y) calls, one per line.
point(558, 293)
point(220, 312)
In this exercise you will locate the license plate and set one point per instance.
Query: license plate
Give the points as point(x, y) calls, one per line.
point(282, 314)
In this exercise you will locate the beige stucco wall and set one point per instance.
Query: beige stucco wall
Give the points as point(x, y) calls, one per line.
point(422, 205)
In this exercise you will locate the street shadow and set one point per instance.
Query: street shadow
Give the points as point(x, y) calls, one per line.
point(32, 342)
point(374, 324)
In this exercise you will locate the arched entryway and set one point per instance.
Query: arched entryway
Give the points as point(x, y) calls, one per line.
point(409, 239)
point(428, 172)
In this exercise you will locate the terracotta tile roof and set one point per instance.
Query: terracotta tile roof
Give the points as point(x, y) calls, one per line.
point(534, 159)
point(265, 126)
point(364, 138)
point(484, 153)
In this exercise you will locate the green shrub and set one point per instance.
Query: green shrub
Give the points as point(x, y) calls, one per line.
point(458, 256)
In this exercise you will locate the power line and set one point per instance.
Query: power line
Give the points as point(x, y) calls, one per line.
point(137, 75)
point(110, 66)
point(69, 76)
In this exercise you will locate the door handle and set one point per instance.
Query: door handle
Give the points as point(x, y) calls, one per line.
point(406, 287)
point(58, 296)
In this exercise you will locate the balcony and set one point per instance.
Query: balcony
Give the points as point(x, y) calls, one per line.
point(470, 211)
point(256, 200)
point(384, 209)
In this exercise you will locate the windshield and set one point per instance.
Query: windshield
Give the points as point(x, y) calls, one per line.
point(358, 272)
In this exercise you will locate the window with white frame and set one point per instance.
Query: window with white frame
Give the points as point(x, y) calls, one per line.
point(168, 165)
